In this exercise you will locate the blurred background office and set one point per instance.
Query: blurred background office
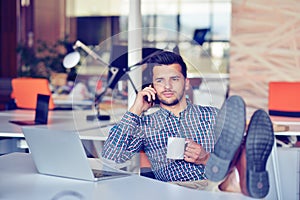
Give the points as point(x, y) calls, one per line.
point(246, 41)
point(36, 35)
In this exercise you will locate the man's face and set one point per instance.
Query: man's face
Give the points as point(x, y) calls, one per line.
point(169, 84)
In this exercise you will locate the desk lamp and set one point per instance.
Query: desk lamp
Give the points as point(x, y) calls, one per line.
point(118, 68)
point(73, 58)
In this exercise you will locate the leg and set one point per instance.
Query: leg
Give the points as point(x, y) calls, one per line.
point(231, 182)
point(254, 178)
point(229, 131)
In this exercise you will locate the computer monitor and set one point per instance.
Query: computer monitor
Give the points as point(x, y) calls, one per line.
point(200, 35)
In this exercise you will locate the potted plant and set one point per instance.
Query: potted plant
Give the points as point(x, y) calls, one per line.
point(44, 60)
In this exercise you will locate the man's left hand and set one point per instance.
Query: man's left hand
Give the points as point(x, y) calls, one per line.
point(195, 153)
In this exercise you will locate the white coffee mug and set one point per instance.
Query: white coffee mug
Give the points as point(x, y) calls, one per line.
point(176, 148)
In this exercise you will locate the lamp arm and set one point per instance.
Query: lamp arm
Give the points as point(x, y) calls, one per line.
point(132, 84)
point(114, 72)
point(78, 43)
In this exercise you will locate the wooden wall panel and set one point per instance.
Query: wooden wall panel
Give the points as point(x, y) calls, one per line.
point(8, 38)
point(49, 20)
point(265, 46)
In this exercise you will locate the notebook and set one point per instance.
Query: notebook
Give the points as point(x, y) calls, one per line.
point(41, 112)
point(61, 153)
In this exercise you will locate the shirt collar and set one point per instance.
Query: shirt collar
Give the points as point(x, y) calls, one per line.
point(167, 113)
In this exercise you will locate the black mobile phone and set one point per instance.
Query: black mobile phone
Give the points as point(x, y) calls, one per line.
point(156, 101)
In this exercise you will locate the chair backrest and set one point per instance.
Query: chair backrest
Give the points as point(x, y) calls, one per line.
point(25, 91)
point(284, 99)
point(145, 166)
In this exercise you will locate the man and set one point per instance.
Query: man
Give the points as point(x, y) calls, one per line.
point(215, 138)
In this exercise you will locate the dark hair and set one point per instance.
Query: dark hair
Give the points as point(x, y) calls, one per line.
point(166, 58)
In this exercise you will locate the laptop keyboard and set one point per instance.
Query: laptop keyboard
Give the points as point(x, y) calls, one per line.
point(103, 173)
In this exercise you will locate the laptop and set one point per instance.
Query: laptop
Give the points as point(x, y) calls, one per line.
point(61, 153)
point(41, 112)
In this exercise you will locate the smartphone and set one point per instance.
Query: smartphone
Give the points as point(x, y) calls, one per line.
point(156, 101)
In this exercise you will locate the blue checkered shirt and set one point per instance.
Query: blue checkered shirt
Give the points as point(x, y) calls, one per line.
point(150, 133)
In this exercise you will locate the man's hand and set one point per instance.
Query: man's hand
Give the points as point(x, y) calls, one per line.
point(195, 153)
point(144, 100)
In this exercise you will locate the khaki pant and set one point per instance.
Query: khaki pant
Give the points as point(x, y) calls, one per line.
point(205, 185)
point(230, 184)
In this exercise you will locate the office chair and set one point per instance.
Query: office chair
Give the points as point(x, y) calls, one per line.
point(284, 99)
point(145, 166)
point(25, 91)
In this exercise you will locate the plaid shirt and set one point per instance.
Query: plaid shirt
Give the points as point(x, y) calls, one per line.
point(150, 133)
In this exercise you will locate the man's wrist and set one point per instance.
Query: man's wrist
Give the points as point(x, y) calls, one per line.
point(204, 159)
point(135, 111)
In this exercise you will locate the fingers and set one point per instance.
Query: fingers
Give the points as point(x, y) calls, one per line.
point(141, 103)
point(148, 94)
point(194, 152)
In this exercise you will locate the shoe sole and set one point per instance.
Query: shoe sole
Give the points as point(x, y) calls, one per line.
point(259, 143)
point(229, 129)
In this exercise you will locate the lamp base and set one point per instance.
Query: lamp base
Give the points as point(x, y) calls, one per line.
point(97, 117)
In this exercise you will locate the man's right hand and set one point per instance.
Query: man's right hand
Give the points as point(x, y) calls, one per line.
point(144, 100)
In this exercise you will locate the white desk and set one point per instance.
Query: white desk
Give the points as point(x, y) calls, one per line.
point(74, 104)
point(75, 120)
point(292, 122)
point(20, 180)
point(57, 120)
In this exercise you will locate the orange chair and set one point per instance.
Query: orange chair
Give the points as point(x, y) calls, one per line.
point(284, 99)
point(145, 166)
point(25, 91)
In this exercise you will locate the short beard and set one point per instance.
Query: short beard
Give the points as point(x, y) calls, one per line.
point(169, 104)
